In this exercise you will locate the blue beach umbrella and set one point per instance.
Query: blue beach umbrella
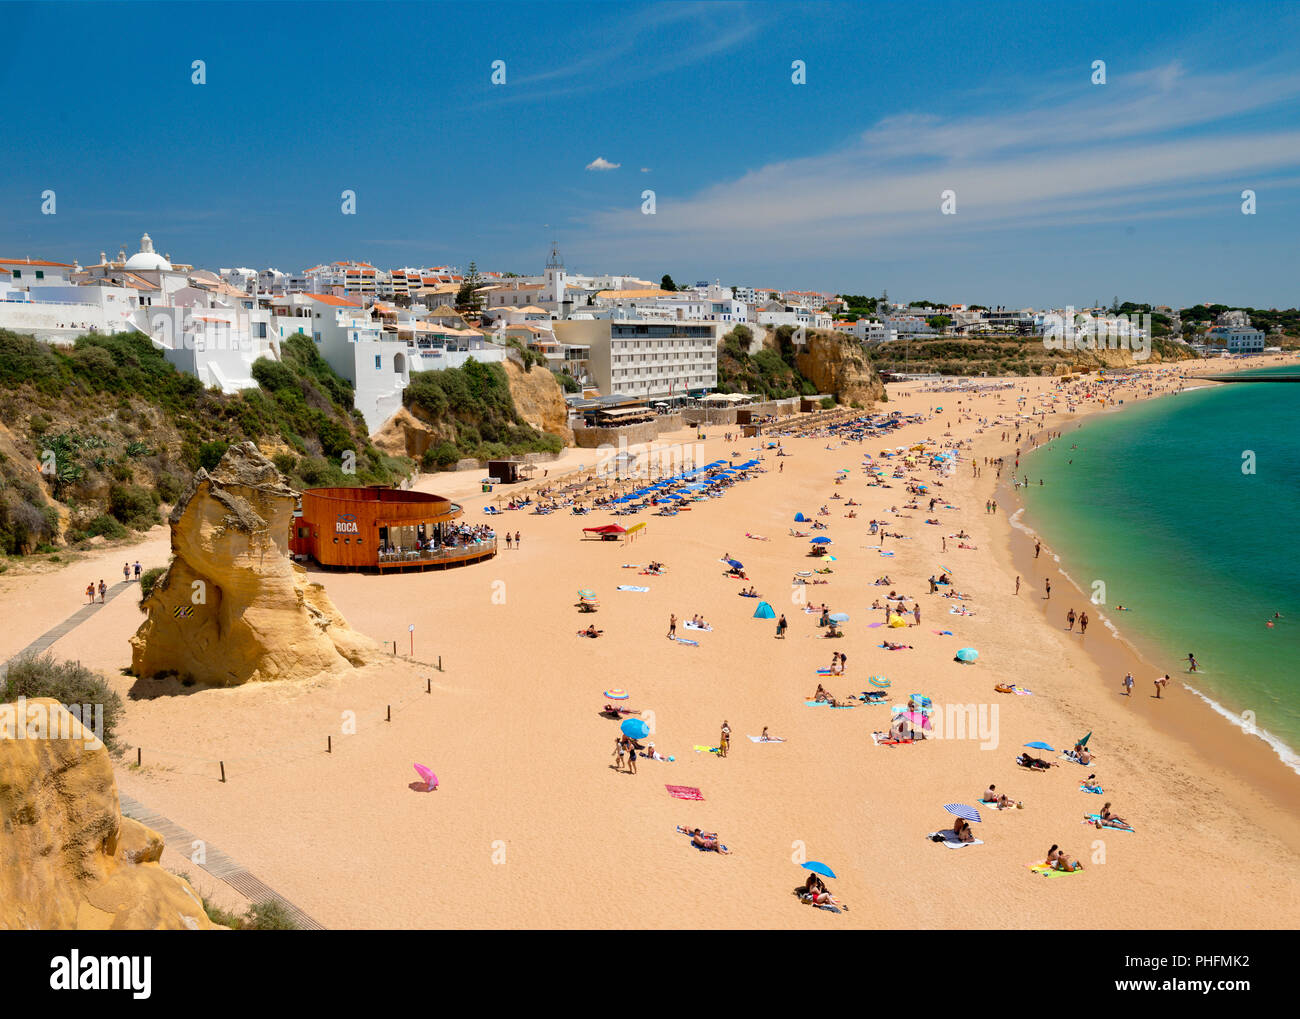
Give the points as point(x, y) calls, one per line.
point(1040, 745)
point(735, 565)
point(839, 617)
point(636, 728)
point(961, 810)
point(819, 868)
point(821, 541)
point(967, 654)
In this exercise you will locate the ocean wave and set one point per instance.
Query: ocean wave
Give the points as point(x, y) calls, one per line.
point(1284, 752)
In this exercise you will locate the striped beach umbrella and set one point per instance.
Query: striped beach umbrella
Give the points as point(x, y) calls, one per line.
point(617, 694)
point(961, 810)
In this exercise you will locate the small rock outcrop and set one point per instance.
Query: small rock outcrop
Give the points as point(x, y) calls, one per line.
point(233, 607)
point(835, 363)
point(71, 861)
point(404, 434)
point(539, 399)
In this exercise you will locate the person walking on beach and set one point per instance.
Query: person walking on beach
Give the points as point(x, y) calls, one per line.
point(724, 740)
point(631, 757)
point(1017, 584)
point(126, 573)
point(1069, 619)
point(507, 541)
point(1049, 589)
point(780, 627)
point(136, 568)
point(90, 593)
point(672, 625)
point(517, 546)
point(916, 614)
point(1038, 547)
point(103, 588)
point(618, 753)
point(1083, 623)
point(1128, 684)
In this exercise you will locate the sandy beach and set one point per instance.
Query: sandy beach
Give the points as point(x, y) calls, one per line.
point(533, 827)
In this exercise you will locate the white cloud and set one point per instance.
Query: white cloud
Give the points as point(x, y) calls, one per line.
point(601, 163)
point(645, 169)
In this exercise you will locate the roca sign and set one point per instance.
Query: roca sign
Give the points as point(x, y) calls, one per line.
point(346, 524)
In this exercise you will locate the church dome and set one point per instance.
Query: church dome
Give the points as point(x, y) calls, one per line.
point(148, 259)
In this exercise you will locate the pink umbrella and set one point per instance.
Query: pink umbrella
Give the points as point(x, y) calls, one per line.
point(916, 718)
point(430, 779)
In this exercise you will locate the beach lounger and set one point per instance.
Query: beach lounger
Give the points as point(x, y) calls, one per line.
point(949, 838)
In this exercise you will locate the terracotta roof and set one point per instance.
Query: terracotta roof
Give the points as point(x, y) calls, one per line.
point(331, 299)
point(33, 261)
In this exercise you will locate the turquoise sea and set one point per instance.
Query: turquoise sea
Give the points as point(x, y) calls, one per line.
point(1157, 506)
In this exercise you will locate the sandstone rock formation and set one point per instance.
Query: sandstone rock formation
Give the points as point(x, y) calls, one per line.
point(539, 399)
point(233, 607)
point(835, 364)
point(68, 859)
point(404, 434)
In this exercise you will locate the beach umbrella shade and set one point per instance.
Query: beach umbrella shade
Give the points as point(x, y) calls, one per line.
point(799, 518)
point(617, 694)
point(967, 654)
point(735, 564)
point(585, 593)
point(830, 559)
point(636, 728)
point(1084, 742)
point(764, 611)
point(963, 811)
point(819, 868)
point(821, 540)
point(1040, 745)
point(839, 617)
point(918, 718)
point(430, 779)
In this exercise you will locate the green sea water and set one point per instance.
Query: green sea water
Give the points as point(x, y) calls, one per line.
point(1156, 505)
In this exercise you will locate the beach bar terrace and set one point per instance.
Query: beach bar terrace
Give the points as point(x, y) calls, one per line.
point(383, 529)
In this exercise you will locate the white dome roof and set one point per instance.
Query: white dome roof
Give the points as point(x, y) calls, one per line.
point(148, 260)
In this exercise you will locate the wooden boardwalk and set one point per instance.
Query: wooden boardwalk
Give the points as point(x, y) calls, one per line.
point(48, 639)
point(215, 862)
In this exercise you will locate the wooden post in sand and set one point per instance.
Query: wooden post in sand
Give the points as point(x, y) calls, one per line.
point(223, 771)
point(137, 757)
point(329, 743)
point(390, 714)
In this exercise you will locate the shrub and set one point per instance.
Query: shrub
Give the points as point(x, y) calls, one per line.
point(827, 402)
point(210, 453)
point(107, 526)
point(134, 506)
point(148, 581)
point(285, 462)
point(68, 683)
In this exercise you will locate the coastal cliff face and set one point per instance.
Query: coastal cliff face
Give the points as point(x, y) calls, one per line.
point(1119, 358)
point(71, 860)
point(539, 399)
point(834, 363)
point(404, 434)
point(233, 607)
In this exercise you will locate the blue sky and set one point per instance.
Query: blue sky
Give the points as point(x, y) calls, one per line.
point(1066, 191)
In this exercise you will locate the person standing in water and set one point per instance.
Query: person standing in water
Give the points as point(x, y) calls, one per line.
point(1191, 662)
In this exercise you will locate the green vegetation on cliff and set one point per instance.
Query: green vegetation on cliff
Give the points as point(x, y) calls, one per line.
point(769, 372)
point(471, 407)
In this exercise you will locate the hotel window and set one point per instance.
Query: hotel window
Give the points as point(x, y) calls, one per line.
point(379, 361)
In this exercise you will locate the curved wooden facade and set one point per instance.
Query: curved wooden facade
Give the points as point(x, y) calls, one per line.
point(380, 529)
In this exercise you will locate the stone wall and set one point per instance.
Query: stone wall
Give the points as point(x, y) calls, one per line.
point(592, 438)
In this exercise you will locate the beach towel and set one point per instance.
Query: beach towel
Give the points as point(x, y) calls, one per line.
point(1067, 756)
point(1048, 871)
point(1084, 789)
point(770, 739)
point(942, 633)
point(882, 739)
point(807, 899)
point(701, 749)
point(632, 587)
point(950, 839)
point(694, 626)
point(684, 792)
point(683, 640)
point(816, 704)
point(1094, 818)
point(994, 805)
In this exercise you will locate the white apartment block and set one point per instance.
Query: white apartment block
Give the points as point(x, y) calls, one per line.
point(648, 359)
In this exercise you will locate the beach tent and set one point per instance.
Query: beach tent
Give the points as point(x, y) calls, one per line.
point(764, 611)
point(799, 518)
point(605, 529)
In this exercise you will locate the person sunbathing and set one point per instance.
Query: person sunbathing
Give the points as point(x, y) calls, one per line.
point(1035, 763)
point(1081, 754)
point(889, 645)
point(613, 709)
point(1109, 820)
point(961, 830)
point(1057, 859)
point(591, 631)
point(992, 796)
point(1090, 784)
point(814, 890)
point(707, 840)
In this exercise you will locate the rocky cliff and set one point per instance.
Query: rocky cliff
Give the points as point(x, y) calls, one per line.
point(835, 364)
point(233, 607)
point(404, 434)
point(69, 860)
point(539, 399)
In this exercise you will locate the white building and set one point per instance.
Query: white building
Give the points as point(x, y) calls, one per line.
point(644, 358)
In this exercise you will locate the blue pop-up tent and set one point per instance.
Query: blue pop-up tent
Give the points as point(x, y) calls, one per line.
point(764, 611)
point(799, 518)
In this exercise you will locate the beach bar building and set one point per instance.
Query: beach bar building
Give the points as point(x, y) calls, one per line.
point(382, 529)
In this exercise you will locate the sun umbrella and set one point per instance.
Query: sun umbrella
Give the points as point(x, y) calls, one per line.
point(636, 728)
point(820, 541)
point(961, 810)
point(617, 694)
point(917, 718)
point(967, 654)
point(735, 565)
point(430, 779)
point(584, 593)
point(819, 868)
point(1084, 742)
point(1040, 745)
point(829, 559)
point(839, 617)
point(878, 681)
